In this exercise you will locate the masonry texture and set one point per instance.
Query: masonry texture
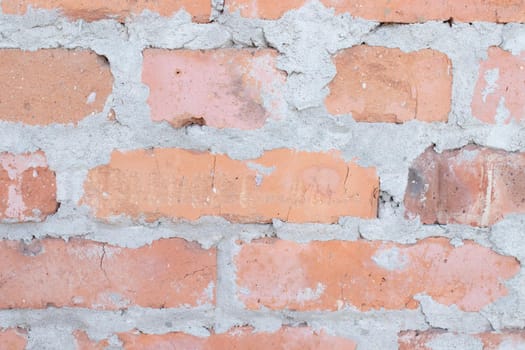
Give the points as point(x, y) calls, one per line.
point(255, 174)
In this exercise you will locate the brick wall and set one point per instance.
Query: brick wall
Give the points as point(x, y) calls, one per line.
point(234, 174)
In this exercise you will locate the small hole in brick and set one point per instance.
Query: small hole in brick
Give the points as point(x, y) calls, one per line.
point(194, 121)
point(103, 60)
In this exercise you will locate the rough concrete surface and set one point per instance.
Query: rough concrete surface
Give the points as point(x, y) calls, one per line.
point(305, 39)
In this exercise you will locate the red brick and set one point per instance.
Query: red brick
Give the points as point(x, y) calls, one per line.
point(262, 8)
point(27, 187)
point(500, 84)
point(200, 10)
point(473, 185)
point(80, 273)
point(415, 340)
point(377, 84)
point(175, 183)
point(503, 340)
point(52, 86)
point(329, 275)
point(13, 339)
point(401, 11)
point(242, 338)
point(83, 342)
point(226, 88)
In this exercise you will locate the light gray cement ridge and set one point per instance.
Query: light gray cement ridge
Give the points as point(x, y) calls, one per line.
point(102, 324)
point(209, 231)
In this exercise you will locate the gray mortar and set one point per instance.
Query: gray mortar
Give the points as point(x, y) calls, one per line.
point(306, 39)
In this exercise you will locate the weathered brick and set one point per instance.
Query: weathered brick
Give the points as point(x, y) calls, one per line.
point(415, 340)
point(503, 340)
point(367, 275)
point(81, 273)
point(200, 10)
point(286, 184)
point(52, 86)
point(473, 185)
point(262, 8)
point(377, 84)
point(499, 96)
point(400, 11)
point(83, 342)
point(288, 338)
point(27, 187)
point(13, 339)
point(226, 88)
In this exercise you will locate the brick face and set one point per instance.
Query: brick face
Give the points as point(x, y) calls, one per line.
point(52, 86)
point(13, 339)
point(288, 338)
point(400, 11)
point(200, 10)
point(415, 340)
point(80, 273)
point(377, 84)
point(227, 88)
point(83, 342)
point(473, 185)
point(285, 184)
point(368, 275)
point(499, 96)
point(27, 187)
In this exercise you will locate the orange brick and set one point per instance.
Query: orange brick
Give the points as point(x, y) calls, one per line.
point(83, 342)
point(415, 340)
point(52, 86)
point(227, 88)
point(368, 275)
point(262, 8)
point(200, 10)
point(377, 84)
point(80, 273)
point(474, 185)
point(242, 338)
point(13, 339)
point(500, 86)
point(27, 187)
point(401, 11)
point(503, 340)
point(175, 183)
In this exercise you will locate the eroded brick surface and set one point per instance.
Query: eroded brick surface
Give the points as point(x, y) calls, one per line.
point(377, 84)
point(286, 338)
point(368, 275)
point(83, 342)
point(27, 187)
point(284, 184)
point(401, 11)
point(200, 10)
point(422, 340)
point(13, 339)
point(81, 273)
point(499, 96)
point(52, 86)
point(473, 185)
point(227, 88)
